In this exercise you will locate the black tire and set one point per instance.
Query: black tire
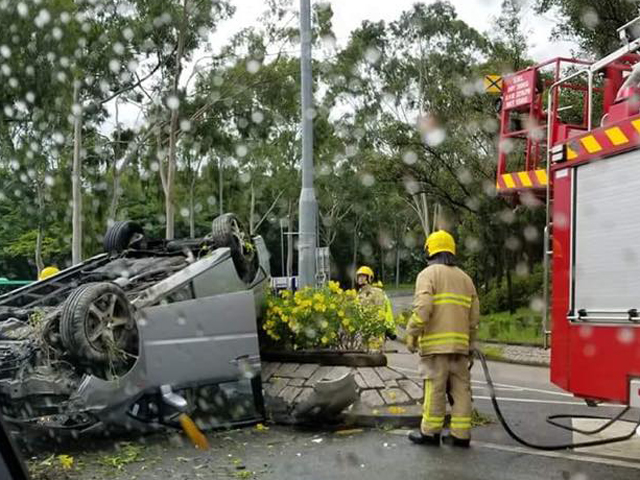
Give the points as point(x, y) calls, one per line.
point(120, 236)
point(226, 231)
point(97, 325)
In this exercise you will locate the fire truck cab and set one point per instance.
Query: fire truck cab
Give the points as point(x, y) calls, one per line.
point(577, 129)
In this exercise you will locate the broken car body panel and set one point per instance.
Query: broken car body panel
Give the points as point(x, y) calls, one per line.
point(195, 334)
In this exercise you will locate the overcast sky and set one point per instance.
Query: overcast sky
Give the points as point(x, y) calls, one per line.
point(349, 14)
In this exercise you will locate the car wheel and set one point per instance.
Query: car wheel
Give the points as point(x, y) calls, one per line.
point(98, 327)
point(121, 235)
point(226, 231)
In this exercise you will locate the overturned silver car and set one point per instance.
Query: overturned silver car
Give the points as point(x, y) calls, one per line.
point(138, 335)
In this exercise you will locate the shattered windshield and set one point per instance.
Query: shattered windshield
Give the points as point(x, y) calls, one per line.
point(318, 239)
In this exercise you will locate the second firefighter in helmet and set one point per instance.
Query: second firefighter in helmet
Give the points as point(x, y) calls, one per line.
point(371, 294)
point(442, 329)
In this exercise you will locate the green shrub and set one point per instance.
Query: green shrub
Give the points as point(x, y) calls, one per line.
point(524, 290)
point(523, 326)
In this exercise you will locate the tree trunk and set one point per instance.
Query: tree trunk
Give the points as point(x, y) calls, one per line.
point(398, 241)
point(510, 290)
point(39, 239)
point(290, 241)
point(76, 241)
point(221, 184)
point(355, 252)
point(173, 132)
point(113, 209)
point(252, 209)
point(192, 213)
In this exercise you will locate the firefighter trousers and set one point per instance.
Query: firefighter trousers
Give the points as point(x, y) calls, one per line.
point(438, 370)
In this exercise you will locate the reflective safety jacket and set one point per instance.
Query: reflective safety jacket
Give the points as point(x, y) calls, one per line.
point(370, 295)
point(446, 311)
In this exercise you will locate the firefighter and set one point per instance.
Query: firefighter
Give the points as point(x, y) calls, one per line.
point(370, 294)
point(48, 272)
point(442, 329)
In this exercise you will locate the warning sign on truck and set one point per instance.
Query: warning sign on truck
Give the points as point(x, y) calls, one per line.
point(519, 89)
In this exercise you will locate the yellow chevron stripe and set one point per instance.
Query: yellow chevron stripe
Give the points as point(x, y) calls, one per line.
point(508, 180)
point(571, 154)
point(636, 125)
point(524, 178)
point(616, 136)
point(591, 144)
point(542, 176)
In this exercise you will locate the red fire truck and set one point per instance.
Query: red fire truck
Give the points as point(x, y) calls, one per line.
point(576, 127)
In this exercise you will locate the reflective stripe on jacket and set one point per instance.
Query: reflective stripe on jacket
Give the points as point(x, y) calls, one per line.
point(446, 311)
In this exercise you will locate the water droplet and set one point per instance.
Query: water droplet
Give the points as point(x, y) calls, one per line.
point(127, 33)
point(257, 117)
point(212, 200)
point(590, 18)
point(173, 102)
point(367, 180)
point(410, 157)
point(626, 335)
point(43, 18)
point(114, 65)
point(23, 10)
point(242, 150)
point(585, 331)
point(372, 55)
point(185, 125)
point(5, 51)
point(253, 66)
point(184, 212)
point(118, 48)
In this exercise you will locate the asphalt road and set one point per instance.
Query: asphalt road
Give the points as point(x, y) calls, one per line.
point(284, 453)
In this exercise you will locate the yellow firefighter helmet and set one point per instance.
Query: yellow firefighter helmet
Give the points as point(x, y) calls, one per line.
point(440, 241)
point(48, 272)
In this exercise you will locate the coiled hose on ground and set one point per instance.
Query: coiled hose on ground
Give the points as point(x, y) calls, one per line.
point(551, 420)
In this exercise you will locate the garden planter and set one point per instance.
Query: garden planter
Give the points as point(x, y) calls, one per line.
point(327, 357)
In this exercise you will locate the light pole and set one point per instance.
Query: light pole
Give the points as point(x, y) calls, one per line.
point(308, 204)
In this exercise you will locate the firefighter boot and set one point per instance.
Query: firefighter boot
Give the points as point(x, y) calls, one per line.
point(420, 438)
point(456, 442)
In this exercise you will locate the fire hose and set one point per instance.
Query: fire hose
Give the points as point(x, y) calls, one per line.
point(552, 421)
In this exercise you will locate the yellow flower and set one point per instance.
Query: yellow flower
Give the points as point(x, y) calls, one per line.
point(352, 293)
point(66, 461)
point(285, 294)
point(346, 322)
point(334, 287)
point(341, 313)
point(318, 297)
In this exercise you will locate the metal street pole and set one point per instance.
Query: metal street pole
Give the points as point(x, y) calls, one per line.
point(308, 204)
